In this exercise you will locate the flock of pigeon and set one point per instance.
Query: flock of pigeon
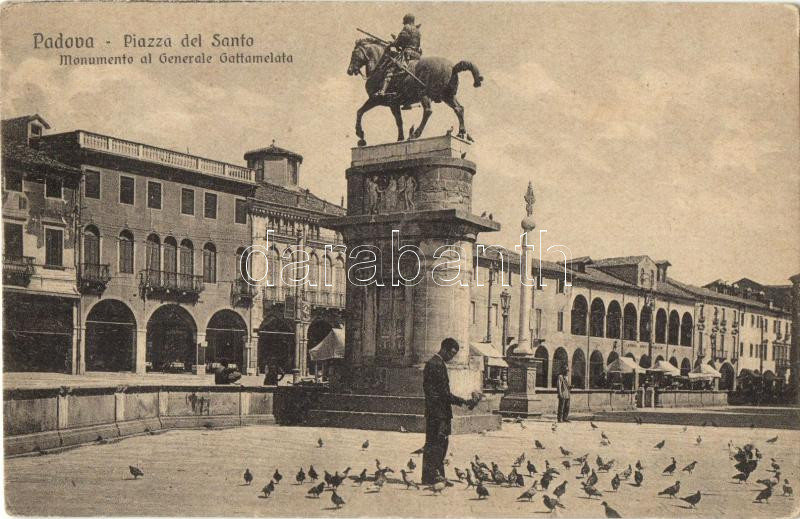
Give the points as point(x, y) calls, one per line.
point(481, 476)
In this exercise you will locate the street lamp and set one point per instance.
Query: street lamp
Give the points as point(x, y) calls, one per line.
point(505, 303)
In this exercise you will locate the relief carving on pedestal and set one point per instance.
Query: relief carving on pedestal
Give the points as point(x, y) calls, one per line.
point(390, 193)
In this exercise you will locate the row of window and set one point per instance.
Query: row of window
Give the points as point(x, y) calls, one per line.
point(53, 244)
point(127, 195)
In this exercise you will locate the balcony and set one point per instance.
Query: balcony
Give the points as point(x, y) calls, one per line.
point(143, 152)
point(329, 299)
point(93, 278)
point(159, 283)
point(719, 354)
point(242, 293)
point(17, 270)
point(275, 294)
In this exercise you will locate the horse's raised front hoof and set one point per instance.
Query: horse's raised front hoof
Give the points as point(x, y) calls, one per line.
point(361, 143)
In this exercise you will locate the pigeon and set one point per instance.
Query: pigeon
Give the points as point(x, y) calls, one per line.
point(135, 472)
point(380, 480)
point(690, 467)
point(585, 469)
point(560, 490)
point(581, 459)
point(592, 424)
point(606, 467)
point(277, 477)
point(248, 477)
point(491, 217)
point(365, 445)
point(336, 499)
point(520, 480)
point(438, 486)
point(538, 444)
point(610, 512)
point(670, 468)
point(316, 490)
point(481, 491)
point(615, 482)
point(460, 474)
point(603, 436)
point(547, 477)
point(268, 488)
point(638, 477)
point(320, 443)
point(361, 478)
point(566, 464)
point(407, 481)
point(772, 440)
point(627, 473)
point(741, 477)
point(470, 483)
point(551, 503)
point(660, 444)
point(692, 499)
point(300, 477)
point(564, 451)
point(483, 214)
point(599, 461)
point(639, 465)
point(592, 479)
point(787, 490)
point(671, 491)
point(775, 466)
point(312, 474)
point(463, 154)
point(591, 491)
point(411, 465)
point(764, 495)
point(531, 468)
point(528, 494)
point(403, 429)
point(519, 460)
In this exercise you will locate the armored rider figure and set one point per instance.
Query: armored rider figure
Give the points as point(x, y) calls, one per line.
point(407, 47)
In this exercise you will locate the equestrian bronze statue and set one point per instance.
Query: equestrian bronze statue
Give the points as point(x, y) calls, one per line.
point(412, 81)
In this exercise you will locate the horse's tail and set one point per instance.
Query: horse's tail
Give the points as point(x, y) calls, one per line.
point(463, 66)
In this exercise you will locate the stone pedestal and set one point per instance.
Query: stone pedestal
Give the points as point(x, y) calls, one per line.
point(409, 225)
point(520, 398)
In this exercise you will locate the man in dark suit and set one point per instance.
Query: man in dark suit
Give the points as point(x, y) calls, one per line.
point(438, 413)
point(563, 396)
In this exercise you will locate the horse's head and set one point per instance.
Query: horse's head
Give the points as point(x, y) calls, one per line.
point(366, 53)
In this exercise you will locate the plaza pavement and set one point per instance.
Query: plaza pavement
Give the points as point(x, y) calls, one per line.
point(199, 472)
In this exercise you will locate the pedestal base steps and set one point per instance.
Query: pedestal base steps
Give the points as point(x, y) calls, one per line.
point(391, 413)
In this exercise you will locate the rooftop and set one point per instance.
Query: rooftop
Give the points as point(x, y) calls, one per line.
point(273, 150)
point(25, 156)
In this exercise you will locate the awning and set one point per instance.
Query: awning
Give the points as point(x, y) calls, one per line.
point(486, 350)
point(331, 347)
point(704, 371)
point(748, 373)
point(666, 368)
point(624, 365)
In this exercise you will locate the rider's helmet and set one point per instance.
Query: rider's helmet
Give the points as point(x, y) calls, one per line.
point(408, 19)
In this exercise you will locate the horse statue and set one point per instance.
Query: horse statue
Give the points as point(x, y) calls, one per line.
point(430, 79)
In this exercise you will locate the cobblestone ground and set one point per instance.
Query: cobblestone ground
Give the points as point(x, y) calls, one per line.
point(199, 473)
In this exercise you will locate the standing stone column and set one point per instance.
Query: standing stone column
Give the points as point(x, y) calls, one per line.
point(140, 352)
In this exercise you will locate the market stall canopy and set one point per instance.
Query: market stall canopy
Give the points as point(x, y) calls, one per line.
point(624, 365)
point(704, 371)
point(666, 368)
point(331, 347)
point(485, 349)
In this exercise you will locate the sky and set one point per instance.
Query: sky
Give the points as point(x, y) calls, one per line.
point(660, 129)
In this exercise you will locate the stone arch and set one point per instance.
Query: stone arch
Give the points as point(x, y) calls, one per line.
point(579, 368)
point(542, 369)
point(597, 318)
point(629, 322)
point(686, 329)
point(560, 361)
point(644, 361)
point(596, 370)
point(171, 339)
point(578, 315)
point(612, 356)
point(661, 326)
point(276, 343)
point(726, 382)
point(631, 356)
point(226, 334)
point(673, 328)
point(110, 337)
point(686, 366)
point(645, 324)
point(613, 320)
point(673, 361)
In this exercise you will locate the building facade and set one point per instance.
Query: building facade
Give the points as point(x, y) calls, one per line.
point(40, 300)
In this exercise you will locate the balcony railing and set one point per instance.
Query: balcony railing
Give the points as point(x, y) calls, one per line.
point(275, 294)
point(175, 284)
point(103, 143)
point(242, 292)
point(332, 299)
point(93, 277)
point(17, 270)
